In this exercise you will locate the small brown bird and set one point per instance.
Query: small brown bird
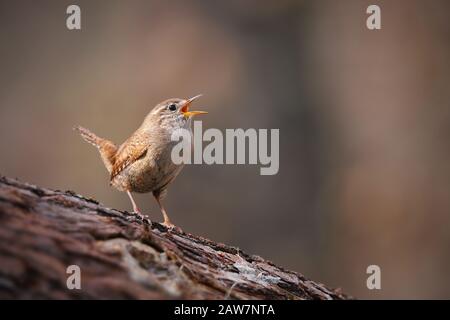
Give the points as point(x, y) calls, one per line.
point(143, 162)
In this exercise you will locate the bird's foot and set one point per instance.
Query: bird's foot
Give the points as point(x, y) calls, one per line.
point(171, 227)
point(137, 215)
point(137, 210)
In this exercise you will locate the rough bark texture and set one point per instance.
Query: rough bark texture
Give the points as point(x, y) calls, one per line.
point(122, 255)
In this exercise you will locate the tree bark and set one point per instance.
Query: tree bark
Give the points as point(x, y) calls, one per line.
point(124, 256)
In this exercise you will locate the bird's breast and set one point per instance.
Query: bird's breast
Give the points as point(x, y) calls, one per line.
point(150, 173)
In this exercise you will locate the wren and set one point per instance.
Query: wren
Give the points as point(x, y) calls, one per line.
point(143, 162)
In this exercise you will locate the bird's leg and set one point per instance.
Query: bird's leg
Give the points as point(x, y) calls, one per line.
point(135, 207)
point(166, 222)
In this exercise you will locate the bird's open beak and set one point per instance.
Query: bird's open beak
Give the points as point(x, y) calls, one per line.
point(185, 108)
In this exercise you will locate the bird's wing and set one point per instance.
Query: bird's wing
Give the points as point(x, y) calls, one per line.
point(130, 151)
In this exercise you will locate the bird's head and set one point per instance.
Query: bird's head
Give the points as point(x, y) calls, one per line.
point(175, 113)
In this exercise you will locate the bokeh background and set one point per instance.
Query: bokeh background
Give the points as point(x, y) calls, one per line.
point(363, 116)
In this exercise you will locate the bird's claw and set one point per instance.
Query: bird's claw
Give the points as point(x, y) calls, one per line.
point(171, 227)
point(139, 216)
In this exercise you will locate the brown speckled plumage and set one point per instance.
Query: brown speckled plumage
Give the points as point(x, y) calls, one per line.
point(143, 162)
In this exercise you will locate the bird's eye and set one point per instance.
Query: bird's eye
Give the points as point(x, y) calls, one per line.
point(172, 107)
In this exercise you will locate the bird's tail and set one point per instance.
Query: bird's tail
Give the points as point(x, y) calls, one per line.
point(106, 148)
point(88, 136)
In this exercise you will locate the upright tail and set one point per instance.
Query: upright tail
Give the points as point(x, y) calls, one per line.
point(106, 148)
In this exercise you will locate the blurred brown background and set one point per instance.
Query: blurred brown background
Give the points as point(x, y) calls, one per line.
point(363, 116)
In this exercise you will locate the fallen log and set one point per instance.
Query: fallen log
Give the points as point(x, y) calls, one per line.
point(121, 255)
